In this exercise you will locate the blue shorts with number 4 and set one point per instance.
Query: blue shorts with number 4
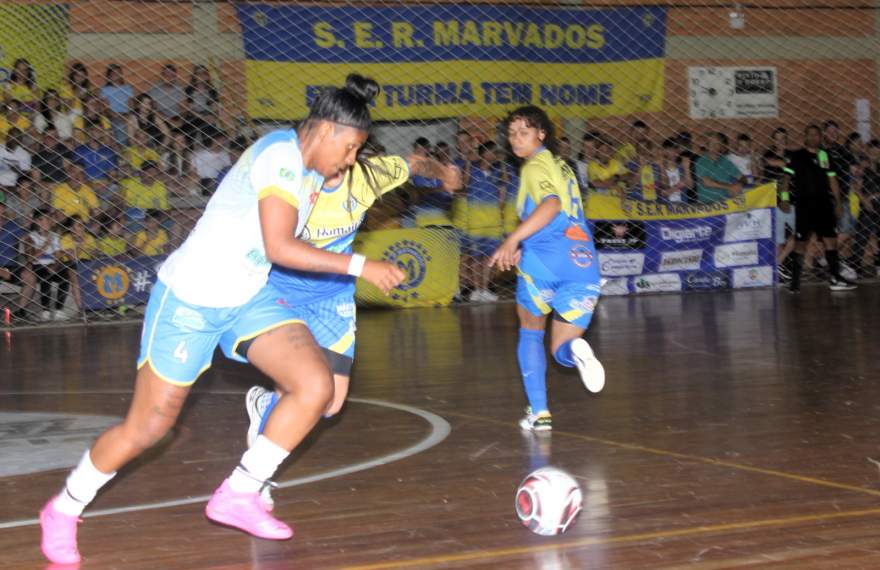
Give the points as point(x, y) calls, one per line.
point(573, 301)
point(331, 322)
point(179, 338)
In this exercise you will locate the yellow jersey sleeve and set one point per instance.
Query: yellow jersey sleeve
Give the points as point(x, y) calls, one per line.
point(538, 178)
point(386, 173)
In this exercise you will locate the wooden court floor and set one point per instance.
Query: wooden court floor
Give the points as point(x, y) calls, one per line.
point(737, 430)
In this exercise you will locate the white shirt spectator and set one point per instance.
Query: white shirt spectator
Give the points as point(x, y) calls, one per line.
point(209, 163)
point(583, 175)
point(11, 163)
point(743, 163)
point(39, 241)
point(64, 123)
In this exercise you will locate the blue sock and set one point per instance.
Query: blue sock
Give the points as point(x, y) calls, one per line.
point(533, 365)
point(563, 354)
point(268, 411)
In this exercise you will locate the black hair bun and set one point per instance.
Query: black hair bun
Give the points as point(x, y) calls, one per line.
point(362, 87)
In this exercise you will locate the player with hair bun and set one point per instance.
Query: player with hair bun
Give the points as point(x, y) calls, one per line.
point(215, 286)
point(555, 257)
point(325, 302)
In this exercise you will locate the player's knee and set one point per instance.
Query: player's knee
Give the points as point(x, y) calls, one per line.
point(145, 434)
point(320, 394)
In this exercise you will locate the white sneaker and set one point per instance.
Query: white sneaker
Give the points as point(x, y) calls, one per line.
point(490, 297)
point(476, 296)
point(255, 402)
point(45, 316)
point(541, 421)
point(61, 315)
point(848, 272)
point(591, 370)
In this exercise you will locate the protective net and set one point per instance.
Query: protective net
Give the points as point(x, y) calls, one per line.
point(678, 119)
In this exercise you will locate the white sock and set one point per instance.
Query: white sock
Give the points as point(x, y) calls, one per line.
point(258, 464)
point(82, 485)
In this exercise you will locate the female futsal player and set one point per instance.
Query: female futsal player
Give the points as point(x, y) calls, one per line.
point(325, 302)
point(216, 281)
point(556, 262)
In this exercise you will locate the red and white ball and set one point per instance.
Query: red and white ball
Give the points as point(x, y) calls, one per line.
point(548, 501)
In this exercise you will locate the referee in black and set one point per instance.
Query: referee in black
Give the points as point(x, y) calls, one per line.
point(810, 181)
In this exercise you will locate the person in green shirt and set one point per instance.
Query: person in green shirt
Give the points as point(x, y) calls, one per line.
point(717, 178)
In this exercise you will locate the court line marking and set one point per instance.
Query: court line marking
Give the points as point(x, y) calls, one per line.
point(694, 458)
point(440, 430)
point(595, 541)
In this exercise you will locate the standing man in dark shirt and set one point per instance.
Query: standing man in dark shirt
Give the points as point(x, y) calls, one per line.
point(811, 182)
point(868, 224)
point(776, 160)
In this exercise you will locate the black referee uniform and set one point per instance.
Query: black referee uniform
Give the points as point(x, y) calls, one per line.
point(811, 174)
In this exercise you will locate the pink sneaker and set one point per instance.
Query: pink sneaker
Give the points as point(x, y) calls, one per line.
point(245, 511)
point(59, 535)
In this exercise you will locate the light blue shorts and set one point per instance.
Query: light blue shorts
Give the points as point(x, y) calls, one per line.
point(331, 322)
point(573, 301)
point(179, 338)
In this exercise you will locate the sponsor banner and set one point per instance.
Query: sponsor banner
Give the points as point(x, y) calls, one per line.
point(744, 226)
point(606, 207)
point(761, 276)
point(682, 260)
point(701, 252)
point(429, 257)
point(449, 60)
point(657, 283)
point(110, 282)
point(619, 235)
point(685, 233)
point(734, 254)
point(618, 264)
point(699, 281)
point(618, 286)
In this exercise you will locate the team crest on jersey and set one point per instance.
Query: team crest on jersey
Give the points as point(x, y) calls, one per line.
point(582, 256)
point(350, 205)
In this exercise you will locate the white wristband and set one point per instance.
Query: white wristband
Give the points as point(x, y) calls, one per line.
point(356, 265)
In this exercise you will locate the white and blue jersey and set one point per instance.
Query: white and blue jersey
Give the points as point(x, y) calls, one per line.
point(218, 277)
point(223, 262)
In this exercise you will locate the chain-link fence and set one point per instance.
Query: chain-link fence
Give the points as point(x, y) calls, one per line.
point(120, 118)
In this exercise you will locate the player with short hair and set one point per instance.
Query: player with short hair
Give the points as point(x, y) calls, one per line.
point(215, 283)
point(325, 302)
point(555, 257)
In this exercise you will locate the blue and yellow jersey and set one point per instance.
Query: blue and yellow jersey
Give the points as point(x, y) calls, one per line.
point(563, 250)
point(648, 178)
point(332, 225)
point(484, 209)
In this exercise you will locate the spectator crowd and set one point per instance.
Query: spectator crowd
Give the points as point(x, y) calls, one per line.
point(88, 170)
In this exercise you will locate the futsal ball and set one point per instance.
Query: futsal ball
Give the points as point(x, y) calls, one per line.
point(548, 501)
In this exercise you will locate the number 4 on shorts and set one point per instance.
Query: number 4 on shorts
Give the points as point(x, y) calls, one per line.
point(180, 352)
